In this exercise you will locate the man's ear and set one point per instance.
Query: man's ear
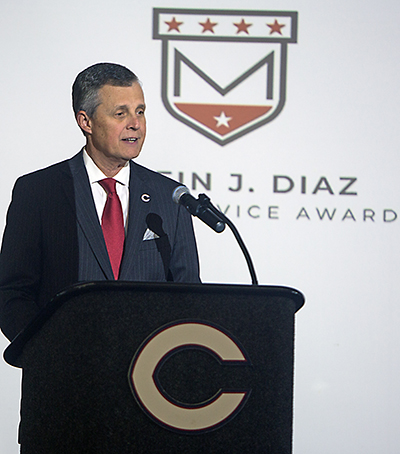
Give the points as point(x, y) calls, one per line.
point(84, 122)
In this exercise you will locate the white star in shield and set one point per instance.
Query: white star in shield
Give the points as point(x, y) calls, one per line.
point(223, 120)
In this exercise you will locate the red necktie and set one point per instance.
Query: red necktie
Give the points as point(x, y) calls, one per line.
point(112, 223)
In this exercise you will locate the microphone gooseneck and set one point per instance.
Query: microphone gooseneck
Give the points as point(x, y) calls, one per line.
point(214, 218)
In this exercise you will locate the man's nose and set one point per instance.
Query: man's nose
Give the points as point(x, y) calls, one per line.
point(133, 123)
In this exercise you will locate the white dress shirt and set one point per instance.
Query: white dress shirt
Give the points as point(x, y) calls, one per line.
point(99, 194)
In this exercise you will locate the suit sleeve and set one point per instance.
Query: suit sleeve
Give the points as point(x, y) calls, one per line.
point(20, 261)
point(184, 264)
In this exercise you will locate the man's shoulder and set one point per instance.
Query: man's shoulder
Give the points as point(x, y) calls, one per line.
point(53, 171)
point(152, 177)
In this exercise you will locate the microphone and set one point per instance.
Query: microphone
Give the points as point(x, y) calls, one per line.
point(182, 196)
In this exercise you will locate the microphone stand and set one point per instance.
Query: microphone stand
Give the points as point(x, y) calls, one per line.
point(206, 202)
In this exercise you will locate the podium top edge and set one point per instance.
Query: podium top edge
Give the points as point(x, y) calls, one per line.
point(176, 287)
point(171, 287)
point(14, 349)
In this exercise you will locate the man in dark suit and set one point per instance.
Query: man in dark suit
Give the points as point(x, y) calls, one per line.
point(54, 237)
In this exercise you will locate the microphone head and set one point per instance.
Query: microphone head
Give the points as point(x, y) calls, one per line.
point(179, 191)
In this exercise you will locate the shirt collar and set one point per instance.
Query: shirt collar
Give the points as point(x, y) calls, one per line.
point(95, 174)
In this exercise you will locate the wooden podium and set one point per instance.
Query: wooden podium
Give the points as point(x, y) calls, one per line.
point(142, 368)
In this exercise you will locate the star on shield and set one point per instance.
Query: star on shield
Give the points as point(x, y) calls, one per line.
point(208, 26)
point(173, 25)
point(276, 27)
point(243, 27)
point(223, 120)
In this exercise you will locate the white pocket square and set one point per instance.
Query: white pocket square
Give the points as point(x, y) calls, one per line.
point(149, 235)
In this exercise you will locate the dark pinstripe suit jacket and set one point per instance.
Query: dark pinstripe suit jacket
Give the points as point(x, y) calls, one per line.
point(53, 238)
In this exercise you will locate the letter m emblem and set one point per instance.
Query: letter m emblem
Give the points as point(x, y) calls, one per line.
point(224, 71)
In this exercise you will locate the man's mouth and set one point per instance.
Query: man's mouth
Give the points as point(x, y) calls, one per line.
point(130, 139)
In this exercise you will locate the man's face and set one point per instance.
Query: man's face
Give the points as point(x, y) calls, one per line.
point(116, 132)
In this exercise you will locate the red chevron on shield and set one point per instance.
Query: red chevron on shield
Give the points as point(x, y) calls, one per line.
point(224, 71)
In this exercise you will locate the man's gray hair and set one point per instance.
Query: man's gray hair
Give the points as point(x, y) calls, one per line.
point(85, 90)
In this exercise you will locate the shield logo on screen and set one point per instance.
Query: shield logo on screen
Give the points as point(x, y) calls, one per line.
point(224, 71)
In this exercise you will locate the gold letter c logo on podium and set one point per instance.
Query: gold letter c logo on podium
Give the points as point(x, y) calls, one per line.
point(197, 418)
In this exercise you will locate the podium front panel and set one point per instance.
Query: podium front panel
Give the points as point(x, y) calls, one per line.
point(156, 369)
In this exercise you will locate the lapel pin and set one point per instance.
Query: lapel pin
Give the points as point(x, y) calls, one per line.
point(145, 198)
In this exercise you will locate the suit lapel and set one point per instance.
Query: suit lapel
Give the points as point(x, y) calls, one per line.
point(140, 203)
point(87, 216)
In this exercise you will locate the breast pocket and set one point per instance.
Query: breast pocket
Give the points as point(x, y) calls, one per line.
point(156, 254)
